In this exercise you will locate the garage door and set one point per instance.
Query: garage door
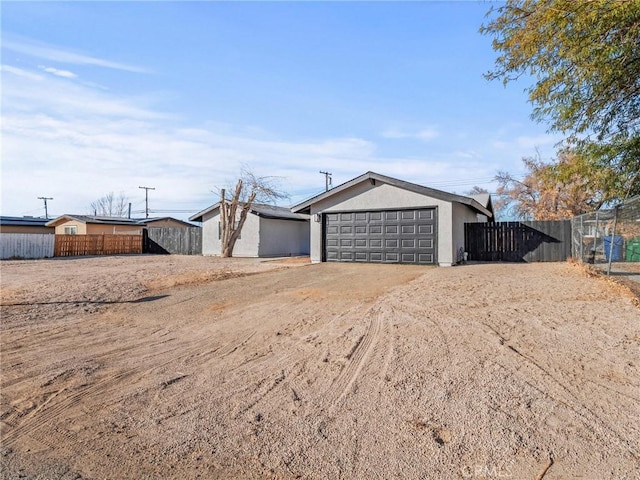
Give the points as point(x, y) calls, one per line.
point(383, 236)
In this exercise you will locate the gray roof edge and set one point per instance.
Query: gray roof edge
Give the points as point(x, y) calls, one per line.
point(157, 219)
point(201, 213)
point(414, 187)
point(257, 209)
point(23, 221)
point(97, 220)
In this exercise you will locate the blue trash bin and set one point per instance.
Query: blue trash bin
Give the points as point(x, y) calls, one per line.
point(617, 254)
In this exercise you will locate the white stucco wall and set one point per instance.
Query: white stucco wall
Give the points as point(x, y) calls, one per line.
point(260, 237)
point(246, 245)
point(210, 241)
point(366, 196)
point(462, 214)
point(283, 238)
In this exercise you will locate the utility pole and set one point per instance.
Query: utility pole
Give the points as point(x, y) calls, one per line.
point(146, 199)
point(46, 213)
point(327, 180)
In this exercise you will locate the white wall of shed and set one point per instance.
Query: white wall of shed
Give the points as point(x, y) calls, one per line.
point(210, 240)
point(246, 245)
point(283, 238)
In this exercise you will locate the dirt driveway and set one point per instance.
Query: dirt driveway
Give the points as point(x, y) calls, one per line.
point(132, 368)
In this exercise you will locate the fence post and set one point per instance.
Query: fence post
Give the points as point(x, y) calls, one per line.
point(612, 237)
point(581, 238)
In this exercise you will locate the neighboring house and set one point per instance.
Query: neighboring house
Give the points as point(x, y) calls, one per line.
point(268, 231)
point(96, 225)
point(379, 219)
point(24, 225)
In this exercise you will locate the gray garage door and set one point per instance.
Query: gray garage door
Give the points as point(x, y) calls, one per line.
point(386, 236)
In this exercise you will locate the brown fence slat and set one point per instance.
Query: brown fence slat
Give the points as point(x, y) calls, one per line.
point(537, 241)
point(79, 245)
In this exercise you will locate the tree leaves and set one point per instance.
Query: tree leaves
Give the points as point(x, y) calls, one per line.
point(570, 186)
point(585, 59)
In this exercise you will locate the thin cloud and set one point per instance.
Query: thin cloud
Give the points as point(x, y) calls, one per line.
point(58, 54)
point(27, 91)
point(19, 72)
point(425, 134)
point(59, 73)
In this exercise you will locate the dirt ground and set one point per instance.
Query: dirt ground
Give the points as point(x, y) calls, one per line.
point(191, 367)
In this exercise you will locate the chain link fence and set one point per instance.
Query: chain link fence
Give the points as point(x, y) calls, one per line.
point(610, 239)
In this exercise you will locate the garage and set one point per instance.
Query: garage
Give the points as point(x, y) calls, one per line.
point(374, 218)
point(381, 236)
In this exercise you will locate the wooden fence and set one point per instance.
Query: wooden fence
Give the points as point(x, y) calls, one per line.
point(537, 241)
point(77, 245)
point(26, 245)
point(182, 241)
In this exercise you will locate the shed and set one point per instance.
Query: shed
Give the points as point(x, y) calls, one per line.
point(379, 219)
point(269, 231)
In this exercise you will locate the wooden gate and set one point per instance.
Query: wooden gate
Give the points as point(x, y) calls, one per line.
point(182, 240)
point(77, 245)
point(536, 241)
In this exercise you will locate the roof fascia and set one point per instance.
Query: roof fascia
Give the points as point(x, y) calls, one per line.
point(413, 187)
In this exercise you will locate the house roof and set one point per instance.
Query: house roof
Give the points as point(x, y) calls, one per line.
point(259, 209)
point(305, 207)
point(159, 219)
point(483, 199)
point(92, 219)
point(23, 221)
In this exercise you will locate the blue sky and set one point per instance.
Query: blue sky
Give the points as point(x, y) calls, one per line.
point(102, 97)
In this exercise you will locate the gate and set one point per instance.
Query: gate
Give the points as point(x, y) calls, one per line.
point(530, 241)
point(176, 240)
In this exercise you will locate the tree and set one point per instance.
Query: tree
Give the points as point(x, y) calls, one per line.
point(585, 58)
point(497, 203)
point(233, 212)
point(111, 206)
point(555, 190)
point(476, 190)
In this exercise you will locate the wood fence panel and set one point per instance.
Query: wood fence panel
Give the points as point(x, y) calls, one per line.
point(79, 245)
point(537, 241)
point(173, 240)
point(26, 245)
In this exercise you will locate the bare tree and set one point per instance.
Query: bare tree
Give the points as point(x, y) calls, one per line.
point(476, 190)
point(234, 211)
point(111, 205)
point(569, 186)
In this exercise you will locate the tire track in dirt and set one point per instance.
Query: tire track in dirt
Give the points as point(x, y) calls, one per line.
point(27, 424)
point(232, 346)
point(357, 358)
point(42, 416)
point(416, 312)
point(572, 401)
